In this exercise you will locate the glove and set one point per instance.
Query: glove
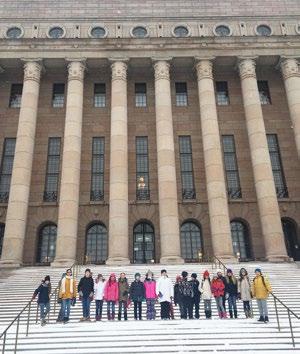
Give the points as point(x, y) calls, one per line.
point(160, 294)
point(80, 293)
point(226, 296)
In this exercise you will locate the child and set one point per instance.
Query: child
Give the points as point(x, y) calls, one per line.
point(150, 294)
point(205, 289)
point(99, 293)
point(231, 291)
point(123, 296)
point(44, 291)
point(260, 290)
point(137, 295)
point(217, 289)
point(244, 292)
point(111, 295)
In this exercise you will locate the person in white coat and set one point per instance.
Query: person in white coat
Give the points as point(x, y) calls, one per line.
point(165, 293)
point(244, 292)
point(205, 289)
point(99, 291)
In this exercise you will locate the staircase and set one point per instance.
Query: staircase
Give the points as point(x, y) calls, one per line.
point(174, 336)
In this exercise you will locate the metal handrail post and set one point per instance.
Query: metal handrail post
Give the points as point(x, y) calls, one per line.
point(17, 335)
point(291, 328)
point(37, 314)
point(4, 342)
point(28, 319)
point(277, 317)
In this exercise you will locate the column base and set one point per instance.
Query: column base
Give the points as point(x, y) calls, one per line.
point(10, 264)
point(171, 260)
point(117, 261)
point(278, 258)
point(63, 263)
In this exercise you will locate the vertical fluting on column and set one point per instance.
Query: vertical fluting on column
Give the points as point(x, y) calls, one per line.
point(291, 77)
point(167, 187)
point(261, 164)
point(70, 175)
point(214, 171)
point(118, 179)
point(15, 226)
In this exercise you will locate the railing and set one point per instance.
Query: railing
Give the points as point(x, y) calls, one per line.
point(219, 264)
point(28, 308)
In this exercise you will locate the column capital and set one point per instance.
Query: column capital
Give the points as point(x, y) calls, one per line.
point(119, 70)
point(32, 69)
point(76, 68)
point(289, 67)
point(161, 69)
point(204, 68)
point(246, 67)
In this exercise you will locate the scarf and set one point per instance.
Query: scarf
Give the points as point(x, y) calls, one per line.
point(63, 284)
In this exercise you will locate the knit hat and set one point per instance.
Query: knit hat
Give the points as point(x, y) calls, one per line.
point(163, 271)
point(219, 271)
point(258, 270)
point(137, 275)
point(194, 275)
point(184, 274)
point(229, 271)
point(206, 274)
point(47, 277)
point(112, 275)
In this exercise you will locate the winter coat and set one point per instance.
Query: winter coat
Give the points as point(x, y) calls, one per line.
point(261, 287)
point(111, 291)
point(164, 289)
point(205, 289)
point(123, 289)
point(137, 291)
point(231, 287)
point(217, 287)
point(44, 291)
point(150, 289)
point(86, 287)
point(67, 288)
point(177, 295)
point(244, 288)
point(196, 291)
point(186, 289)
point(99, 290)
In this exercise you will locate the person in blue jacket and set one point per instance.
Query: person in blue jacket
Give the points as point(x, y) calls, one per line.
point(137, 295)
point(43, 292)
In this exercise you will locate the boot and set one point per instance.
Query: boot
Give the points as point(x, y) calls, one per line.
point(206, 314)
point(125, 316)
point(224, 315)
point(230, 313)
point(261, 319)
point(266, 319)
point(235, 314)
point(119, 316)
point(113, 316)
point(108, 316)
point(220, 314)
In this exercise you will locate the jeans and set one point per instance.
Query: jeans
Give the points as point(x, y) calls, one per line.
point(207, 305)
point(151, 309)
point(196, 304)
point(44, 309)
point(137, 310)
point(66, 306)
point(219, 303)
point(262, 307)
point(232, 303)
point(246, 305)
point(86, 304)
point(122, 306)
point(99, 306)
point(187, 307)
point(165, 310)
point(111, 309)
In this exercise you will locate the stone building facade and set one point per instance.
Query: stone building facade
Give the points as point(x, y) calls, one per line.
point(155, 132)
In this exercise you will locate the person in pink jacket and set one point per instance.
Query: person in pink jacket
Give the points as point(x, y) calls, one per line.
point(150, 293)
point(111, 295)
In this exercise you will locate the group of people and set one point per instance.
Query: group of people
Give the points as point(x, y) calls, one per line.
point(226, 289)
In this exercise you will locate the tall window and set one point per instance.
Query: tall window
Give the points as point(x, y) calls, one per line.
point(47, 244)
point(96, 244)
point(52, 172)
point(140, 95)
point(186, 166)
point(222, 93)
point(58, 95)
point(240, 239)
point(99, 95)
point(97, 185)
point(142, 168)
point(181, 94)
point(278, 173)
point(2, 228)
point(264, 92)
point(143, 243)
point(191, 241)
point(231, 167)
point(15, 95)
point(6, 168)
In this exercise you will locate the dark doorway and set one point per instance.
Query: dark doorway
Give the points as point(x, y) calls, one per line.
point(291, 238)
point(143, 247)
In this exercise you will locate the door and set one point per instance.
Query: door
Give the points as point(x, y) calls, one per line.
point(291, 239)
point(143, 248)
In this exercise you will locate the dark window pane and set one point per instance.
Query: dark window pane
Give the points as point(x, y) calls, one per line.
point(222, 93)
point(191, 241)
point(47, 244)
point(142, 168)
point(99, 95)
point(58, 96)
point(6, 168)
point(15, 95)
point(97, 182)
point(240, 242)
point(181, 94)
point(264, 92)
point(96, 244)
point(52, 171)
point(143, 236)
point(186, 168)
point(2, 228)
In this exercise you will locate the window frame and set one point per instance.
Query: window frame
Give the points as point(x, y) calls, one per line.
point(186, 193)
point(97, 195)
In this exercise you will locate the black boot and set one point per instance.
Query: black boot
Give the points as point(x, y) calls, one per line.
point(125, 316)
point(230, 313)
point(266, 319)
point(119, 316)
point(235, 314)
point(261, 319)
point(206, 314)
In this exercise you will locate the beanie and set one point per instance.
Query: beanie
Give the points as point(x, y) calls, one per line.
point(258, 270)
point(137, 275)
point(194, 275)
point(229, 271)
point(47, 277)
point(206, 274)
point(184, 274)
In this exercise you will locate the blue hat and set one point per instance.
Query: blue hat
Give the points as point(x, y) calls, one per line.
point(258, 270)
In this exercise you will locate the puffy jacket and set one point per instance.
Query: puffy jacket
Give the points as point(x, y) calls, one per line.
point(196, 291)
point(68, 288)
point(217, 287)
point(231, 286)
point(164, 289)
point(261, 287)
point(123, 289)
point(205, 289)
point(99, 290)
point(186, 288)
point(86, 286)
point(244, 288)
point(111, 291)
point(44, 291)
point(150, 289)
point(137, 291)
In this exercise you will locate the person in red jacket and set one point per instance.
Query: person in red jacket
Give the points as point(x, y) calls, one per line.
point(217, 289)
point(111, 295)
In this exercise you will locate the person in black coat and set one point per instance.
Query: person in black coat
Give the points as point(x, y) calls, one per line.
point(177, 294)
point(187, 294)
point(43, 292)
point(86, 294)
point(197, 294)
point(231, 290)
point(137, 295)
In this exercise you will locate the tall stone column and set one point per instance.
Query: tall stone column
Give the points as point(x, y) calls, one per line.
point(118, 179)
point(166, 170)
point(15, 226)
point(261, 164)
point(291, 77)
point(213, 160)
point(70, 175)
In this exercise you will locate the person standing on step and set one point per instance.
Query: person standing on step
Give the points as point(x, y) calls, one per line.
point(177, 295)
point(111, 296)
point(67, 293)
point(60, 316)
point(261, 288)
point(231, 291)
point(43, 292)
point(197, 294)
point(205, 289)
point(137, 295)
point(150, 295)
point(218, 290)
point(165, 293)
point(123, 296)
point(244, 292)
point(187, 295)
point(99, 286)
point(220, 275)
point(86, 294)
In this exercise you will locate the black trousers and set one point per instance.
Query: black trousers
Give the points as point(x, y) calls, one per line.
point(196, 305)
point(137, 310)
point(165, 310)
point(187, 307)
